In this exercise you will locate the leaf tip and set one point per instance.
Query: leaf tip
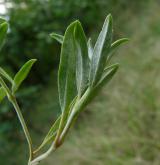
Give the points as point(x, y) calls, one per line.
point(33, 60)
point(110, 18)
point(126, 39)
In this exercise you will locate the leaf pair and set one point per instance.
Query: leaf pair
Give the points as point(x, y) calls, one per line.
point(73, 68)
point(81, 53)
point(74, 63)
point(23, 72)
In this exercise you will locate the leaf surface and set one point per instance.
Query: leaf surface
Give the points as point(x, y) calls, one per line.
point(82, 61)
point(6, 75)
point(99, 58)
point(67, 67)
point(22, 74)
point(2, 93)
point(90, 49)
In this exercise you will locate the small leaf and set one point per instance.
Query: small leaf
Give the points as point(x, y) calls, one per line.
point(2, 93)
point(6, 75)
point(22, 74)
point(99, 58)
point(107, 75)
point(90, 49)
point(3, 32)
point(110, 67)
point(115, 45)
point(82, 61)
point(67, 67)
point(5, 87)
point(51, 134)
point(57, 37)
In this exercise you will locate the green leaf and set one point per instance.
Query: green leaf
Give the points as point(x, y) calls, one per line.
point(22, 74)
point(6, 75)
point(3, 32)
point(67, 67)
point(107, 75)
point(57, 37)
point(51, 134)
point(99, 58)
point(2, 93)
point(115, 45)
point(110, 67)
point(82, 61)
point(5, 87)
point(90, 49)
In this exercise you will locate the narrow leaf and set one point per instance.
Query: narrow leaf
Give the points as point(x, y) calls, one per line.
point(57, 37)
point(110, 67)
point(50, 135)
point(66, 73)
point(90, 49)
point(6, 75)
point(82, 62)
point(2, 93)
point(115, 45)
point(3, 32)
point(22, 74)
point(99, 58)
point(107, 75)
point(5, 87)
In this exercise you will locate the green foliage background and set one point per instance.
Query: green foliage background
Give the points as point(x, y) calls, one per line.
point(122, 125)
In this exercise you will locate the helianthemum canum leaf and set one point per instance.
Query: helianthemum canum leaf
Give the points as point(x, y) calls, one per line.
point(82, 61)
point(22, 74)
point(99, 58)
point(67, 66)
point(6, 75)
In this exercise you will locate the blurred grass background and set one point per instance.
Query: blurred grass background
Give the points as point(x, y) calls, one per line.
point(122, 125)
